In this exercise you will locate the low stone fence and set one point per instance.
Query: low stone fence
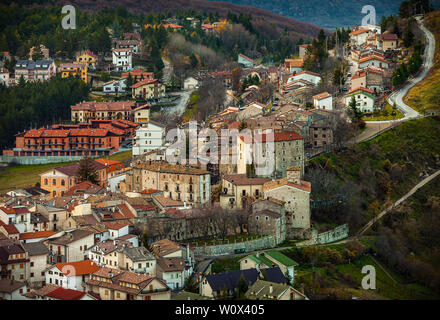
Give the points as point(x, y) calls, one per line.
point(31, 160)
point(224, 249)
point(336, 234)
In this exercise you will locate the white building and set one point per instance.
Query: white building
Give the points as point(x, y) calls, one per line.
point(115, 86)
point(122, 59)
point(72, 275)
point(149, 136)
point(359, 37)
point(4, 77)
point(19, 216)
point(38, 254)
point(324, 100)
point(12, 290)
point(190, 83)
point(172, 271)
point(312, 77)
point(116, 230)
point(373, 61)
point(364, 99)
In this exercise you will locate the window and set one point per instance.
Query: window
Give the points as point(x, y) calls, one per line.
point(54, 182)
point(32, 263)
point(63, 182)
point(118, 295)
point(45, 182)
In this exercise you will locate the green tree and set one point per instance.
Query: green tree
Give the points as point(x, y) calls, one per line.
point(190, 284)
point(408, 36)
point(242, 288)
point(37, 54)
point(353, 111)
point(87, 171)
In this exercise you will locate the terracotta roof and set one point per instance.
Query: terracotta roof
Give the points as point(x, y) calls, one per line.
point(77, 268)
point(354, 33)
point(167, 202)
point(164, 247)
point(293, 63)
point(125, 211)
point(360, 89)
point(309, 73)
point(372, 57)
point(359, 74)
point(389, 37)
point(36, 234)
point(65, 294)
point(85, 187)
point(144, 82)
point(114, 225)
point(305, 185)
point(171, 264)
point(10, 228)
point(322, 95)
point(243, 180)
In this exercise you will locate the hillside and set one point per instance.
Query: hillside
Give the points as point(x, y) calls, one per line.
point(373, 174)
point(426, 94)
point(262, 19)
point(328, 14)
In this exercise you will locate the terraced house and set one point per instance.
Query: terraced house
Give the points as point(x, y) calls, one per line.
point(39, 70)
point(178, 182)
point(59, 180)
point(114, 284)
point(73, 70)
point(92, 110)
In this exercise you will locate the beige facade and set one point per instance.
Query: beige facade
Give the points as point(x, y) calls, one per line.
point(237, 190)
point(177, 182)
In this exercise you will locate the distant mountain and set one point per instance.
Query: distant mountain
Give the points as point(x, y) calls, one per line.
point(327, 14)
point(267, 22)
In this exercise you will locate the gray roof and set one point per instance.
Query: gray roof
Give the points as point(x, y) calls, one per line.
point(37, 217)
point(70, 237)
point(138, 254)
point(36, 248)
point(29, 64)
point(9, 286)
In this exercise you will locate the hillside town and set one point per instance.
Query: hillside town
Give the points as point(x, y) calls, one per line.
point(159, 174)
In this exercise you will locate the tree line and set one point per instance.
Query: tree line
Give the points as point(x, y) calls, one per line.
point(36, 104)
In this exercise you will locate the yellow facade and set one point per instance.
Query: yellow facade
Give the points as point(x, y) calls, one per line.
point(87, 58)
point(74, 70)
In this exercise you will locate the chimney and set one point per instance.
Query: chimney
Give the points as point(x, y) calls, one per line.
point(271, 289)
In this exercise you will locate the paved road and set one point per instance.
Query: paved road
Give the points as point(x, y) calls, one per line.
point(397, 96)
point(398, 202)
point(167, 71)
point(180, 107)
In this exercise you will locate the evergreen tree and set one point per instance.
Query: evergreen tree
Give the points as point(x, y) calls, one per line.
point(191, 284)
point(37, 54)
point(242, 288)
point(408, 36)
point(354, 113)
point(87, 171)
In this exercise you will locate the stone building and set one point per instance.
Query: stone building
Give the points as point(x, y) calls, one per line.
point(268, 217)
point(238, 189)
point(295, 193)
point(178, 182)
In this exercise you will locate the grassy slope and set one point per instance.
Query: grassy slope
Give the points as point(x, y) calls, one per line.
point(22, 176)
point(413, 146)
point(426, 94)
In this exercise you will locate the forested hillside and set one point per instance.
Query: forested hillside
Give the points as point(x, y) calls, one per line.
point(327, 13)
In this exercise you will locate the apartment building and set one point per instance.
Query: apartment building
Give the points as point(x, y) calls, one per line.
point(92, 110)
point(178, 182)
point(73, 70)
point(39, 70)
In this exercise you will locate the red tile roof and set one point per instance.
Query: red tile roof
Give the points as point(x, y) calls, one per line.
point(10, 228)
point(144, 82)
point(78, 268)
point(65, 294)
point(114, 225)
point(36, 234)
point(360, 89)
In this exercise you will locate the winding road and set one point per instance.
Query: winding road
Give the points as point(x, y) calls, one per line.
point(397, 96)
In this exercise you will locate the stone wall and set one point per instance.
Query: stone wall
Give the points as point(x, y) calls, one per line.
point(251, 245)
point(338, 233)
